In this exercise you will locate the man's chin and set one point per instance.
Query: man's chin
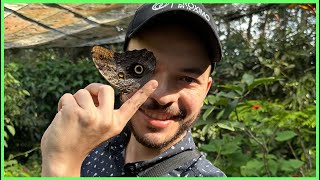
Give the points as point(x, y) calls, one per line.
point(153, 139)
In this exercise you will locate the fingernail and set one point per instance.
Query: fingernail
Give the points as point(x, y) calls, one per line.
point(154, 84)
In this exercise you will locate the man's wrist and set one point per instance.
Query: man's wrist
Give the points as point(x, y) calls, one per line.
point(59, 167)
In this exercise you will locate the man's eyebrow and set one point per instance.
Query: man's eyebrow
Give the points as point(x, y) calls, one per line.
point(193, 70)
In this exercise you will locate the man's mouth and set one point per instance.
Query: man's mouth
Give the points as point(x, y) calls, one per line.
point(158, 115)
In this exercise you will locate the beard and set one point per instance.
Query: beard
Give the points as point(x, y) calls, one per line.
point(185, 123)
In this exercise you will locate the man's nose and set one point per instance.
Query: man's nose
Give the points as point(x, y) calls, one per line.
point(166, 93)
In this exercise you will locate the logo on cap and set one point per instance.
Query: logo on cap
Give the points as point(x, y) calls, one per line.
point(187, 6)
point(158, 6)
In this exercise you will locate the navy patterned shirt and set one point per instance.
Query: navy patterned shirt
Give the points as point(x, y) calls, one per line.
point(108, 160)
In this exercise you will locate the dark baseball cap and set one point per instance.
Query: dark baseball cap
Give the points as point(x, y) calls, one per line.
point(194, 16)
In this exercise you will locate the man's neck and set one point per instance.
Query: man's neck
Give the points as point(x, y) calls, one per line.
point(137, 152)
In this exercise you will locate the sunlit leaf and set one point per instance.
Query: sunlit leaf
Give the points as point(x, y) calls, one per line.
point(261, 81)
point(11, 129)
point(248, 79)
point(230, 95)
point(237, 88)
point(225, 126)
point(285, 135)
point(5, 135)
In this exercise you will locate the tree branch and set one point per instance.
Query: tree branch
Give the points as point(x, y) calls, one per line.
point(232, 16)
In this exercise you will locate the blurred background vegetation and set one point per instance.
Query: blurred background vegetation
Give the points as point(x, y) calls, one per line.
point(259, 118)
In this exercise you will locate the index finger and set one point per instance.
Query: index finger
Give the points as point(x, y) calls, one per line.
point(130, 107)
point(94, 89)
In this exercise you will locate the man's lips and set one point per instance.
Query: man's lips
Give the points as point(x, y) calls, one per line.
point(157, 119)
point(158, 115)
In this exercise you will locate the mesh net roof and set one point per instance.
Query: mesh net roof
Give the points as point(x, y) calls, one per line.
point(65, 25)
point(79, 25)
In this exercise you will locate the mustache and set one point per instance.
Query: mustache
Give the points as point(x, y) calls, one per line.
point(168, 108)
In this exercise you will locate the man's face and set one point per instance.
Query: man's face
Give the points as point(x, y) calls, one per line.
point(183, 75)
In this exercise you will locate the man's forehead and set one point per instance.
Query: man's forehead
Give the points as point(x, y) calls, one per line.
point(173, 45)
point(182, 65)
point(164, 35)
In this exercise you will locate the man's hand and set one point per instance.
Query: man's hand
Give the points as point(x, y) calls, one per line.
point(84, 120)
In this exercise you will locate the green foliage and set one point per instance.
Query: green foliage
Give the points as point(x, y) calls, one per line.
point(31, 98)
point(13, 168)
point(285, 135)
point(46, 81)
point(13, 100)
point(268, 137)
point(263, 100)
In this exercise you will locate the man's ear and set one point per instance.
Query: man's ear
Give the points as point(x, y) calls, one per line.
point(207, 88)
point(209, 84)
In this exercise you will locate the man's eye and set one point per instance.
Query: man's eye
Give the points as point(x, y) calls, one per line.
point(188, 79)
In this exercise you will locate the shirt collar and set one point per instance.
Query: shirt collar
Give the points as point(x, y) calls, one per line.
point(186, 143)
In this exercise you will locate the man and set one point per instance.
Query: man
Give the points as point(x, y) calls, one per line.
point(183, 39)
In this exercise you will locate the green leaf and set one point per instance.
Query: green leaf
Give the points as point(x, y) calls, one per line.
point(231, 106)
point(269, 156)
point(260, 81)
point(285, 135)
point(229, 148)
point(225, 126)
point(24, 174)
point(11, 130)
point(295, 163)
point(208, 112)
point(290, 165)
point(25, 92)
point(5, 135)
point(277, 71)
point(10, 162)
point(211, 99)
point(237, 124)
point(236, 88)
point(219, 115)
point(214, 145)
point(273, 167)
point(221, 101)
point(230, 95)
point(248, 79)
point(252, 168)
